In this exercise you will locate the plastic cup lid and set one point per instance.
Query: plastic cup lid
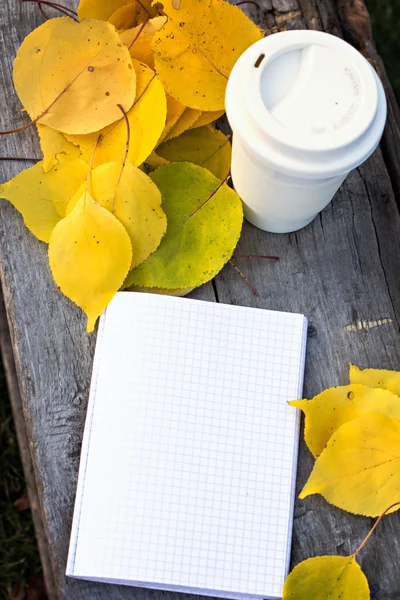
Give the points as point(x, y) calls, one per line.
point(307, 103)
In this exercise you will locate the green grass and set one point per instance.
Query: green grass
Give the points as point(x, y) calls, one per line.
point(19, 560)
point(385, 17)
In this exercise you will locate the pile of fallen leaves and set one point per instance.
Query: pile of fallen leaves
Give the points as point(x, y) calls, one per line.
point(131, 191)
point(353, 432)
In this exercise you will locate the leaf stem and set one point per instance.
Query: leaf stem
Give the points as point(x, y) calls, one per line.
point(256, 256)
point(247, 2)
point(143, 25)
point(128, 141)
point(243, 276)
point(21, 158)
point(361, 546)
point(63, 9)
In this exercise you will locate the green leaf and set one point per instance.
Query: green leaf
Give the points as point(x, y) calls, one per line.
point(203, 146)
point(204, 223)
point(327, 577)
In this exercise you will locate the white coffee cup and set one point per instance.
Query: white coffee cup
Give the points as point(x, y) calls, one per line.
point(305, 108)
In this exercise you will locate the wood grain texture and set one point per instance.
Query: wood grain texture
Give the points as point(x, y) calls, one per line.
point(342, 268)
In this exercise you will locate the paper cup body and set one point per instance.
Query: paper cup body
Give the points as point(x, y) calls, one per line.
point(305, 109)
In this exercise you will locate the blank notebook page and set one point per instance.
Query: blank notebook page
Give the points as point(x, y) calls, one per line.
point(188, 461)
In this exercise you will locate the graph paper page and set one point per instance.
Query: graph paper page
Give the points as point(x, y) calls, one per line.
point(189, 455)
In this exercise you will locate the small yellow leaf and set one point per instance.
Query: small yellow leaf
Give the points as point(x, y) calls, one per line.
point(42, 198)
point(359, 470)
point(205, 147)
point(197, 48)
point(329, 410)
point(185, 121)
point(204, 222)
point(124, 17)
point(136, 204)
point(141, 49)
point(100, 9)
point(52, 143)
point(146, 119)
point(90, 254)
point(327, 577)
point(174, 111)
point(207, 117)
point(388, 380)
point(71, 76)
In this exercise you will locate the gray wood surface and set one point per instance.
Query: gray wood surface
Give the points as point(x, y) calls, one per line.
point(342, 268)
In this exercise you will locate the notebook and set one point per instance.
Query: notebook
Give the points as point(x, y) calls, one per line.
point(188, 463)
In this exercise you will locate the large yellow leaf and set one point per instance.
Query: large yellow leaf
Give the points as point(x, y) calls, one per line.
point(136, 204)
point(74, 75)
point(207, 117)
point(146, 119)
point(329, 410)
point(90, 254)
point(377, 378)
point(359, 470)
point(204, 224)
point(204, 146)
point(327, 578)
point(100, 9)
point(185, 121)
point(52, 143)
point(42, 197)
point(197, 48)
point(141, 49)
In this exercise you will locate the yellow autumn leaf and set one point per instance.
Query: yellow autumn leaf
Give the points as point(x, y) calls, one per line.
point(207, 117)
point(174, 111)
point(359, 470)
point(90, 254)
point(327, 577)
point(326, 412)
point(141, 49)
point(41, 197)
point(70, 76)
point(204, 219)
point(205, 147)
point(185, 121)
point(135, 202)
point(100, 9)
point(52, 143)
point(197, 48)
point(130, 15)
point(146, 120)
point(377, 378)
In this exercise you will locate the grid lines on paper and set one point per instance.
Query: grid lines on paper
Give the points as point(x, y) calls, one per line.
point(189, 472)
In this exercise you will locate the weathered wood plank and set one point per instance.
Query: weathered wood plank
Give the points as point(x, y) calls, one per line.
point(338, 270)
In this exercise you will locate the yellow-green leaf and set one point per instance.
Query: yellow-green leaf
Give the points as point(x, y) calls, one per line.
point(204, 224)
point(146, 119)
point(185, 121)
point(161, 291)
point(327, 578)
point(135, 202)
point(141, 49)
point(359, 470)
point(204, 146)
point(100, 9)
point(42, 198)
point(71, 76)
point(377, 378)
point(90, 254)
point(197, 48)
point(207, 117)
point(326, 412)
point(52, 143)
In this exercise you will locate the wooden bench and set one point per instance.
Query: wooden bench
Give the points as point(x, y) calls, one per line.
point(342, 271)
